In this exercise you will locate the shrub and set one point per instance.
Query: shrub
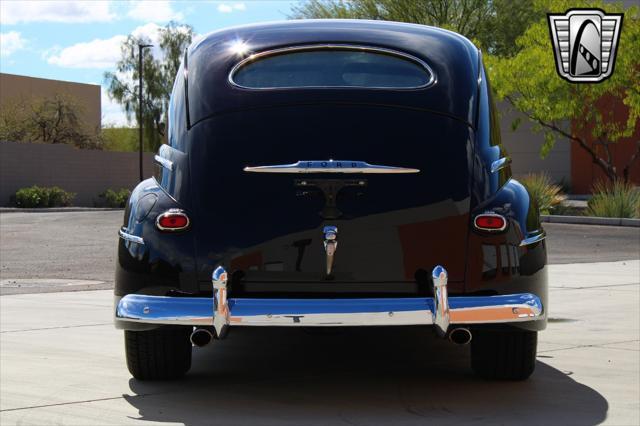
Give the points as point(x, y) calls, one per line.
point(38, 196)
point(116, 198)
point(617, 199)
point(544, 192)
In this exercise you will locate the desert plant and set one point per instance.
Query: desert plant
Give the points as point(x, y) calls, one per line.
point(37, 196)
point(116, 198)
point(617, 199)
point(543, 191)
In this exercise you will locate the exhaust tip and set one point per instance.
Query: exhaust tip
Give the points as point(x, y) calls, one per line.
point(201, 337)
point(460, 336)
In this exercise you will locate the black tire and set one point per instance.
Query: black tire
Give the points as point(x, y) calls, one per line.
point(160, 354)
point(504, 355)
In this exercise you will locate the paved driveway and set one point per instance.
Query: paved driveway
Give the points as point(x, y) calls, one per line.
point(62, 362)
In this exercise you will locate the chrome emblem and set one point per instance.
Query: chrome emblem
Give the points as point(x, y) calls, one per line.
point(330, 245)
point(585, 42)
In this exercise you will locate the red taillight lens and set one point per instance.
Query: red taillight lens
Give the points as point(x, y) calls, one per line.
point(490, 222)
point(172, 220)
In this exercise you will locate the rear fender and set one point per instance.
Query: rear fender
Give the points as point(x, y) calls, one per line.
point(151, 261)
point(514, 260)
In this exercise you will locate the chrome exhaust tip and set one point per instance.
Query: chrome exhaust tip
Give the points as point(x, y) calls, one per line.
point(460, 336)
point(201, 337)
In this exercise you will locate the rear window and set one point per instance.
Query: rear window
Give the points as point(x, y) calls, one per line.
point(333, 67)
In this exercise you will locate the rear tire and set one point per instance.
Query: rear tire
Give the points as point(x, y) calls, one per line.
point(160, 354)
point(504, 355)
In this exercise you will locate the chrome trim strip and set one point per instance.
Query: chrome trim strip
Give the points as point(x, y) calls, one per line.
point(161, 157)
point(129, 237)
point(504, 219)
point(357, 47)
point(500, 164)
point(167, 164)
point(534, 239)
point(173, 212)
point(328, 312)
point(331, 166)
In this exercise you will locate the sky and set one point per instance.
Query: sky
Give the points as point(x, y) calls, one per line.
point(80, 40)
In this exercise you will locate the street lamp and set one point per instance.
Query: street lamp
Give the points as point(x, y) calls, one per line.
point(140, 47)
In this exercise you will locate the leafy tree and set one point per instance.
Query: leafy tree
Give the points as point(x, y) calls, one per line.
point(529, 82)
point(158, 75)
point(493, 24)
point(56, 119)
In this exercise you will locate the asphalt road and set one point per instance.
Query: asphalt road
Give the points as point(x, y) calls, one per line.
point(43, 252)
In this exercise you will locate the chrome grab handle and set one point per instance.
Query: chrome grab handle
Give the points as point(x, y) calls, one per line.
point(440, 300)
point(330, 166)
point(500, 164)
point(220, 305)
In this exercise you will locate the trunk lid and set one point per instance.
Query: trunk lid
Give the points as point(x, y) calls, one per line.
point(273, 231)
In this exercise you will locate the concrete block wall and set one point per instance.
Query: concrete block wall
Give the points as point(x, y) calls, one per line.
point(523, 146)
point(85, 172)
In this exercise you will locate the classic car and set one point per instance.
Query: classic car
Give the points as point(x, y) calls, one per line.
point(331, 173)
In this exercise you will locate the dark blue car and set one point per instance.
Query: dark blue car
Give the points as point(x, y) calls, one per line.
point(331, 173)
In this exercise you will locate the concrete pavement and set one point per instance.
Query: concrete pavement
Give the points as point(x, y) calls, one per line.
point(62, 362)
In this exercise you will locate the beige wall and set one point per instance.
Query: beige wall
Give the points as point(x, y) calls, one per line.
point(88, 95)
point(523, 147)
point(85, 172)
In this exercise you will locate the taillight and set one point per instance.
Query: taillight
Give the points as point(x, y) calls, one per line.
point(490, 222)
point(172, 220)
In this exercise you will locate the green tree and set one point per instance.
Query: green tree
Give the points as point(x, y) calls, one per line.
point(529, 82)
point(158, 75)
point(493, 24)
point(56, 119)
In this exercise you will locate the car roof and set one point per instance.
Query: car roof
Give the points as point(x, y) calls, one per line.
point(452, 57)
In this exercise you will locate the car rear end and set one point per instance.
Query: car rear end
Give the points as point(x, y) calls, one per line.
point(342, 184)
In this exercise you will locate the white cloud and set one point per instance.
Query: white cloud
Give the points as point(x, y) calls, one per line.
point(230, 7)
point(98, 53)
point(13, 12)
point(154, 11)
point(11, 42)
point(101, 53)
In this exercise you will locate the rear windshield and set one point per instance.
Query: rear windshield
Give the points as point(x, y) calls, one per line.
point(333, 68)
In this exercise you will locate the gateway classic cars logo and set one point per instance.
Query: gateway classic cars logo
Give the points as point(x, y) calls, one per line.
point(585, 42)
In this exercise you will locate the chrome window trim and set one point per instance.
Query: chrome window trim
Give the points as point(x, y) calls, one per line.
point(534, 239)
point(174, 212)
point(332, 46)
point(130, 237)
point(475, 225)
point(500, 164)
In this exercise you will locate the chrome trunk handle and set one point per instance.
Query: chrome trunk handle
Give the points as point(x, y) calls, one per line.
point(330, 166)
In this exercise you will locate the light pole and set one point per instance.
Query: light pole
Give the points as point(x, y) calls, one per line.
point(140, 47)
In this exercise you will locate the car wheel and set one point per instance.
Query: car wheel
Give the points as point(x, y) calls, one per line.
point(504, 355)
point(163, 353)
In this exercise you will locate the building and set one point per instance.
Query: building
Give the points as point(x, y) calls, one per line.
point(15, 87)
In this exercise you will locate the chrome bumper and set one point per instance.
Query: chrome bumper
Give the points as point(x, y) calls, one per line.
point(220, 312)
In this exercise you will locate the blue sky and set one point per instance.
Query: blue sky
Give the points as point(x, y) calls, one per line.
point(79, 40)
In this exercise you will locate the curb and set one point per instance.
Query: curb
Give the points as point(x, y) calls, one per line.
point(57, 209)
point(590, 220)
